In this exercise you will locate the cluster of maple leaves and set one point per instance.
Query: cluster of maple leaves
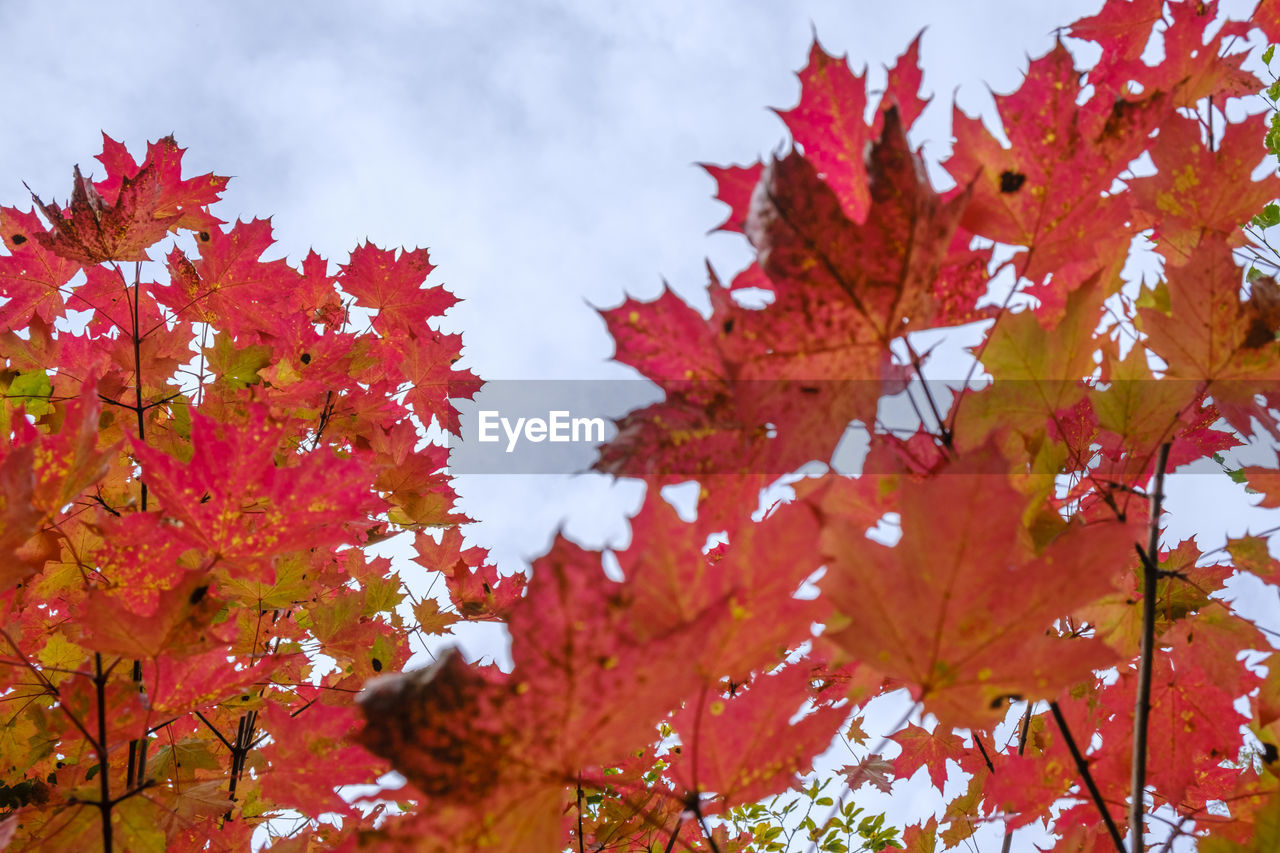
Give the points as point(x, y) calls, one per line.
point(192, 468)
point(1028, 585)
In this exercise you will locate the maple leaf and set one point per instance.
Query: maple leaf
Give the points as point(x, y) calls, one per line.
point(1184, 591)
point(902, 90)
point(584, 688)
point(1213, 337)
point(1193, 727)
point(1123, 29)
point(983, 600)
point(392, 284)
point(69, 461)
point(1037, 371)
point(19, 517)
point(1266, 481)
point(178, 685)
point(149, 202)
point(233, 501)
point(311, 755)
point(731, 744)
point(183, 622)
point(922, 837)
point(672, 582)
point(475, 587)
point(229, 283)
point(1264, 837)
point(828, 124)
point(882, 270)
point(580, 659)
point(32, 277)
point(184, 198)
point(1183, 198)
point(923, 748)
point(872, 770)
point(734, 187)
point(426, 361)
point(1199, 68)
point(1048, 190)
point(431, 620)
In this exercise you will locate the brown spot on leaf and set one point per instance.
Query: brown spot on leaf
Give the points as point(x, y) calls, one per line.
point(1011, 181)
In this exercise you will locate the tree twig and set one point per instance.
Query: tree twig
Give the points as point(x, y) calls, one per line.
point(1142, 703)
point(104, 763)
point(1082, 767)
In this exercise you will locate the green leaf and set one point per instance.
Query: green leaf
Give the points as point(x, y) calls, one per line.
point(32, 390)
point(1268, 53)
point(238, 367)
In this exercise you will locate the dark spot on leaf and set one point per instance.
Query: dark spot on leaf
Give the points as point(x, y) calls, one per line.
point(485, 584)
point(305, 358)
point(1011, 182)
point(197, 594)
point(205, 498)
point(1270, 753)
point(808, 389)
point(244, 698)
point(204, 236)
point(728, 325)
point(18, 239)
point(377, 665)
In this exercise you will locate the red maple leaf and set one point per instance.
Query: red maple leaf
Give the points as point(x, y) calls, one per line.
point(239, 505)
point(741, 747)
point(148, 203)
point(394, 285)
point(983, 601)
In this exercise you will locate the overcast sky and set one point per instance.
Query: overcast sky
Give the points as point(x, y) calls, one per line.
point(543, 150)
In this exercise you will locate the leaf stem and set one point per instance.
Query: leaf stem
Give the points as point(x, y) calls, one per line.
point(1082, 767)
point(1142, 704)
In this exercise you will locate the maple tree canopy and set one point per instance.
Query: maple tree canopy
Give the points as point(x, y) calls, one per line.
point(198, 643)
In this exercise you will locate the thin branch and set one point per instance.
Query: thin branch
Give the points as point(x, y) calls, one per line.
point(1142, 703)
point(1173, 835)
point(991, 768)
point(1082, 767)
point(137, 768)
point(675, 833)
point(216, 733)
point(918, 364)
point(580, 848)
point(104, 764)
point(702, 822)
